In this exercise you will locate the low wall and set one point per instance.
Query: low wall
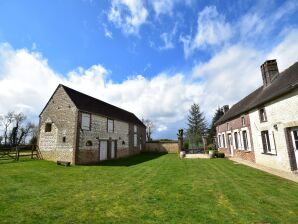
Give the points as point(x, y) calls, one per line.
point(165, 147)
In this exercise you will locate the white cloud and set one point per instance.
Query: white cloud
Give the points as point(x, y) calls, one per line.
point(212, 29)
point(128, 15)
point(167, 39)
point(163, 7)
point(27, 82)
point(107, 32)
point(234, 72)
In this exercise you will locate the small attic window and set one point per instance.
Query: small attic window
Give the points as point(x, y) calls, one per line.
point(89, 143)
point(64, 139)
point(48, 127)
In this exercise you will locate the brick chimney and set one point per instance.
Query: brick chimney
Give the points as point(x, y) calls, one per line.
point(225, 108)
point(269, 72)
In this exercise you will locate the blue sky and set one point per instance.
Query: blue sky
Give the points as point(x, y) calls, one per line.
point(154, 58)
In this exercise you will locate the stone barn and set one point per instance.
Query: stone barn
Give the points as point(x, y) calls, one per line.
point(80, 129)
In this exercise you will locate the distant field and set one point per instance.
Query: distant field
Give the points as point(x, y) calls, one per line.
point(149, 188)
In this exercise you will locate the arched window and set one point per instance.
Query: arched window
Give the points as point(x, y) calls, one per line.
point(88, 143)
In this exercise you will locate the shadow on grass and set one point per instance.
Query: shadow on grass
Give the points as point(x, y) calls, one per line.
point(132, 160)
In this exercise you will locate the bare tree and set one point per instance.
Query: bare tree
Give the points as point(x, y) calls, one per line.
point(6, 121)
point(18, 131)
point(150, 127)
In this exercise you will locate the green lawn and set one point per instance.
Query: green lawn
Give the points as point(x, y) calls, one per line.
point(149, 188)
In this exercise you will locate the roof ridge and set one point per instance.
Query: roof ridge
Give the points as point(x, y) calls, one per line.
point(64, 86)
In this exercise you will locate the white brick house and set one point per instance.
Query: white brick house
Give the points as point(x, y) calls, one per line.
point(273, 116)
point(80, 129)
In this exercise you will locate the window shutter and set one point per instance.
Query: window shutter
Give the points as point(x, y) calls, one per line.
point(272, 141)
point(86, 121)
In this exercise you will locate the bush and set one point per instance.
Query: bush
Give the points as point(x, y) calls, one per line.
point(211, 147)
point(220, 155)
point(186, 145)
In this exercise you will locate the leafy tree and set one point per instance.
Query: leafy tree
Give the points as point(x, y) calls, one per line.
point(212, 130)
point(196, 125)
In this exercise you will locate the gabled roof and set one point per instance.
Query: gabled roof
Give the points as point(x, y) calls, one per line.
point(285, 83)
point(92, 105)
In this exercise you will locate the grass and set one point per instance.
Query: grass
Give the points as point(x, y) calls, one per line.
point(149, 188)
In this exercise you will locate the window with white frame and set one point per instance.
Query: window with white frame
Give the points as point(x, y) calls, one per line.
point(245, 140)
point(219, 141)
point(223, 140)
point(295, 138)
point(86, 121)
point(236, 140)
point(266, 142)
point(110, 125)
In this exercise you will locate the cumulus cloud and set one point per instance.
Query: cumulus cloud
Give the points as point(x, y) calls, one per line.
point(212, 29)
point(27, 82)
point(128, 15)
point(234, 72)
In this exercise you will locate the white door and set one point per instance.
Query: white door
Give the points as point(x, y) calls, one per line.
point(103, 150)
point(295, 143)
point(113, 150)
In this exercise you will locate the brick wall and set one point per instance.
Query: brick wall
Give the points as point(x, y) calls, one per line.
point(166, 147)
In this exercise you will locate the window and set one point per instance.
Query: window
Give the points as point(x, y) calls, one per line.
point(262, 113)
point(245, 141)
point(89, 143)
point(236, 140)
point(243, 121)
point(266, 142)
point(110, 125)
point(135, 136)
point(64, 139)
point(48, 127)
point(223, 140)
point(295, 138)
point(86, 121)
point(219, 141)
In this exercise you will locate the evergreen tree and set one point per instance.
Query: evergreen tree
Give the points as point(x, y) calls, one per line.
point(212, 130)
point(196, 125)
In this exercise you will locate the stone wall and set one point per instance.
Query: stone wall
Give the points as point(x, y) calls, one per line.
point(164, 147)
point(281, 116)
point(61, 113)
point(122, 135)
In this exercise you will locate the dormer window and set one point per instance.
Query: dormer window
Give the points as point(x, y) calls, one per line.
point(262, 113)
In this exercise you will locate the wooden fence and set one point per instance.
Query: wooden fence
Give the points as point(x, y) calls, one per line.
point(15, 153)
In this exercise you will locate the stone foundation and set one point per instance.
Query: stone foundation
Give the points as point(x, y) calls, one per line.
point(87, 156)
point(246, 155)
point(241, 154)
point(55, 155)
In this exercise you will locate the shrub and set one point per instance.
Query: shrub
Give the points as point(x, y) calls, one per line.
point(220, 155)
point(186, 145)
point(211, 147)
